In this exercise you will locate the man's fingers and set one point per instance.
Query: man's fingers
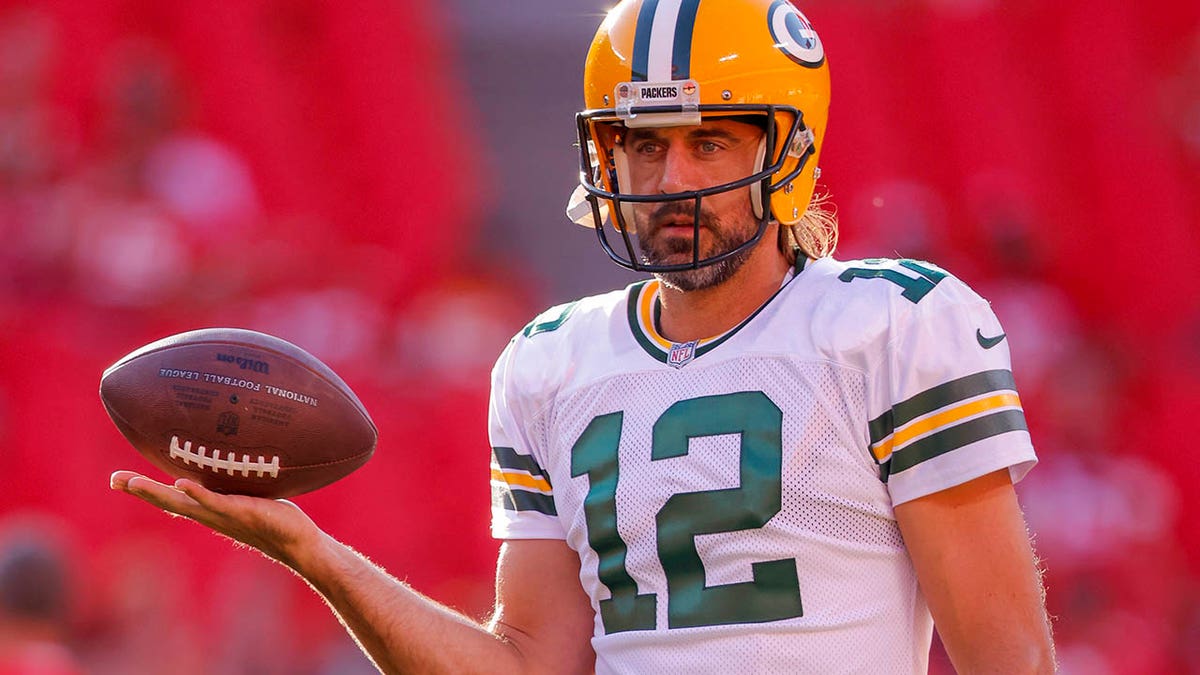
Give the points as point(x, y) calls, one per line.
point(272, 526)
point(202, 495)
point(163, 496)
point(120, 479)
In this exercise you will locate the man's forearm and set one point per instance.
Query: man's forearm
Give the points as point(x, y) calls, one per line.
point(401, 630)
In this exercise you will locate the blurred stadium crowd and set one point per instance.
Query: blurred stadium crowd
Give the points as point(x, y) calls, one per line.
point(313, 170)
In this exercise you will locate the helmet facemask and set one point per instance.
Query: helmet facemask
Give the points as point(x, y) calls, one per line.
point(605, 177)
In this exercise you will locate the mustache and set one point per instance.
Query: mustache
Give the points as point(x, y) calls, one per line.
point(672, 210)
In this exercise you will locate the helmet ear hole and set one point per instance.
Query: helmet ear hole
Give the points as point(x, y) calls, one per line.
point(756, 191)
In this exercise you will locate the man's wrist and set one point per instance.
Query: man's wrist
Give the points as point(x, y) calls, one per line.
point(310, 553)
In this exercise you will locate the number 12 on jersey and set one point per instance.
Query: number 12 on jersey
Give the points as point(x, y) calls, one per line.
point(773, 594)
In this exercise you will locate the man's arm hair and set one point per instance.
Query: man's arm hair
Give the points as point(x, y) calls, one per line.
point(978, 572)
point(542, 623)
point(543, 620)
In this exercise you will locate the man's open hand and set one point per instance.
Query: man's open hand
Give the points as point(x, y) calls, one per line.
point(276, 527)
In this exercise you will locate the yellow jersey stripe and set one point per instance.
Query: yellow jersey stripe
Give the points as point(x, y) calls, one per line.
point(883, 450)
point(649, 294)
point(646, 315)
point(521, 480)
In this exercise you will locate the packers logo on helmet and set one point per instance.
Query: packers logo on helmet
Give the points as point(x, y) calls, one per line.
point(677, 62)
point(794, 35)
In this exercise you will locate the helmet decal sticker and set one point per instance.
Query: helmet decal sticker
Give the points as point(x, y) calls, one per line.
point(662, 45)
point(794, 35)
point(633, 97)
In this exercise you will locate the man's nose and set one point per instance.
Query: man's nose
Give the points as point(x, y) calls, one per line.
point(678, 171)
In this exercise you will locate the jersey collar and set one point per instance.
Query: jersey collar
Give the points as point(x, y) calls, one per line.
point(644, 308)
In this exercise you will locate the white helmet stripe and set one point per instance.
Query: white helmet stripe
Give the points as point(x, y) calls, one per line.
point(662, 41)
point(662, 46)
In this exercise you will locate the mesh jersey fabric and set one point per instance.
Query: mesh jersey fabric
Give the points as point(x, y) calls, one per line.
point(732, 507)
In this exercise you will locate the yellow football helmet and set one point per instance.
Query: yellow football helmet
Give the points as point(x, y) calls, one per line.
point(656, 63)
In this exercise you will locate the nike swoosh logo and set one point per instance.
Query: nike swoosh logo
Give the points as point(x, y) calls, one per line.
point(989, 342)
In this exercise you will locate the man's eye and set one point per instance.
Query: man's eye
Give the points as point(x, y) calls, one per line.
point(709, 147)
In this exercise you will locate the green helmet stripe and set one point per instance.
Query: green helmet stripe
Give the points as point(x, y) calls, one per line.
point(641, 41)
point(681, 57)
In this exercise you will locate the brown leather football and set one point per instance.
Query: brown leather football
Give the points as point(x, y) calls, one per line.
point(239, 412)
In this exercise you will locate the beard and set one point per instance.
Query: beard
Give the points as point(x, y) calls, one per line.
point(723, 237)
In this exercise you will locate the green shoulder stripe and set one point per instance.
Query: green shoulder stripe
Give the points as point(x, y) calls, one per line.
point(508, 459)
point(937, 398)
point(520, 500)
point(956, 437)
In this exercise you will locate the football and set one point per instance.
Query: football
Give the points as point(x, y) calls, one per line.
point(239, 412)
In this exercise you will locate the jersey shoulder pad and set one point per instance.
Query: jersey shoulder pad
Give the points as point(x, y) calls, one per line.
point(550, 320)
point(566, 319)
point(539, 357)
point(863, 304)
point(900, 284)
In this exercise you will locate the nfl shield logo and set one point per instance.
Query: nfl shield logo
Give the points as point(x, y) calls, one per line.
point(682, 354)
point(227, 424)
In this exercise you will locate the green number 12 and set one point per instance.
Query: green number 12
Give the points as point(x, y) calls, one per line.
point(773, 594)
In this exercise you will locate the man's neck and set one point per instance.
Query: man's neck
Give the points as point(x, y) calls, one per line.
point(695, 315)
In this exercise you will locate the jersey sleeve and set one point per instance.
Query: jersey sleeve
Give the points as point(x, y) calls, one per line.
point(946, 405)
point(522, 496)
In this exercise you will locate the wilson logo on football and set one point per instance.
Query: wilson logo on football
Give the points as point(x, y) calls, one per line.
point(246, 364)
point(230, 464)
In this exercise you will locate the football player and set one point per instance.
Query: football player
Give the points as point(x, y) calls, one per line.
point(759, 460)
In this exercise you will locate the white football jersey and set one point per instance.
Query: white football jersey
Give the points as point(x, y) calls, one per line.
point(731, 498)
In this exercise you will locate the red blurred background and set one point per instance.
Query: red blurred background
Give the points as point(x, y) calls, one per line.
point(381, 182)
